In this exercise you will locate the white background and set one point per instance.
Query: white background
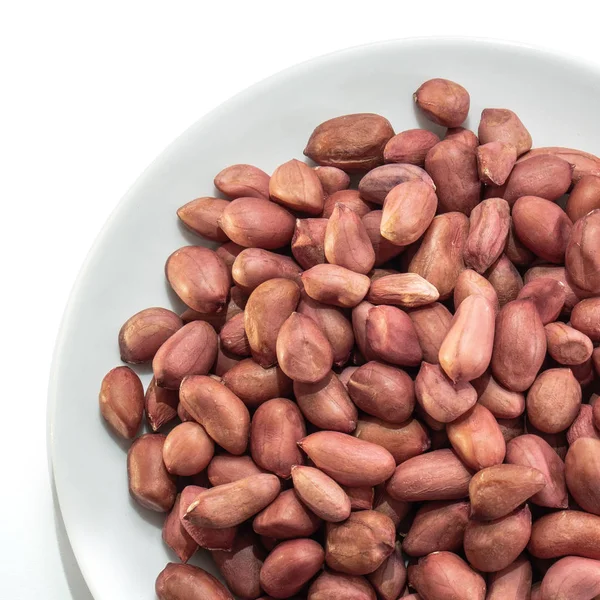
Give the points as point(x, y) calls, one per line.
point(90, 94)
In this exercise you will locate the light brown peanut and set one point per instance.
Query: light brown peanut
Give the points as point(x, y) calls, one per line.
point(407, 290)
point(201, 216)
point(243, 181)
point(410, 146)
point(340, 585)
point(188, 449)
point(178, 582)
point(377, 184)
point(584, 197)
point(503, 125)
point(566, 345)
point(443, 101)
point(122, 401)
point(571, 577)
point(332, 284)
point(332, 179)
point(308, 242)
point(495, 161)
point(296, 187)
point(582, 468)
point(431, 323)
point(582, 259)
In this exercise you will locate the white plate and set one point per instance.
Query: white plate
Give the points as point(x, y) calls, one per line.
point(117, 544)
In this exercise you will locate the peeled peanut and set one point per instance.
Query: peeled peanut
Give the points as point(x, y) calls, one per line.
point(243, 181)
point(210, 539)
point(493, 545)
point(548, 295)
point(407, 290)
point(466, 351)
point(384, 249)
point(477, 439)
point(289, 566)
point(431, 323)
point(230, 504)
point(332, 179)
point(495, 161)
point(437, 526)
point(330, 585)
point(351, 142)
point(226, 468)
point(565, 532)
point(496, 491)
point(332, 284)
point(389, 578)
point(512, 582)
point(188, 449)
point(143, 334)
point(443, 101)
point(286, 517)
point(201, 216)
point(254, 266)
point(519, 345)
point(149, 481)
point(199, 277)
point(582, 259)
point(181, 582)
point(175, 536)
point(505, 279)
point(410, 146)
point(402, 440)
point(240, 567)
point(122, 401)
point(391, 336)
point(453, 168)
point(583, 425)
point(573, 578)
point(439, 397)
point(437, 475)
point(160, 405)
point(446, 576)
point(408, 210)
point(277, 427)
point(489, 225)
point(582, 468)
point(532, 451)
point(583, 163)
point(462, 135)
point(223, 415)
point(439, 259)
point(257, 223)
point(308, 242)
point(553, 400)
point(377, 184)
point(567, 346)
point(503, 125)
point(267, 309)
point(350, 199)
point(296, 186)
point(584, 197)
point(347, 243)
point(586, 318)
point(544, 176)
point(502, 403)
point(360, 544)
point(383, 391)
point(348, 460)
point(326, 404)
point(515, 251)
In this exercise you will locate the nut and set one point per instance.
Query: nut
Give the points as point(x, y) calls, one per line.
point(178, 582)
point(348, 460)
point(227, 468)
point(122, 401)
point(586, 318)
point(230, 504)
point(326, 404)
point(149, 481)
point(296, 187)
point(462, 135)
point(199, 277)
point(495, 161)
point(407, 290)
point(437, 526)
point(308, 242)
point(188, 449)
point(383, 391)
point(332, 179)
point(431, 324)
point(532, 451)
point(505, 279)
point(223, 415)
point(410, 147)
point(548, 295)
point(511, 428)
point(359, 324)
point(582, 260)
point(254, 266)
point(330, 585)
point(277, 427)
point(175, 536)
point(332, 284)
point(377, 184)
point(396, 510)
point(243, 181)
point(584, 197)
point(503, 125)
point(469, 283)
point(384, 249)
point(439, 259)
point(571, 577)
point(437, 475)
point(143, 334)
point(583, 162)
point(408, 211)
point(582, 468)
point(360, 544)
point(228, 252)
point(361, 498)
point(443, 101)
point(160, 405)
point(515, 251)
point(502, 403)
point(289, 566)
point(286, 517)
point(350, 199)
point(257, 223)
point(453, 168)
point(268, 307)
point(201, 216)
point(566, 345)
point(513, 581)
point(389, 578)
point(233, 338)
point(489, 225)
point(496, 491)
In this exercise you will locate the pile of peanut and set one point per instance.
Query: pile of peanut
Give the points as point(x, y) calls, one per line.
point(406, 372)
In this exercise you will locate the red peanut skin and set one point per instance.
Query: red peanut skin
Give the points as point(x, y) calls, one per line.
point(179, 582)
point(582, 468)
point(571, 578)
point(512, 582)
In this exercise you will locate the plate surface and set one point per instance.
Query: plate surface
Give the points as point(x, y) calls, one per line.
point(118, 545)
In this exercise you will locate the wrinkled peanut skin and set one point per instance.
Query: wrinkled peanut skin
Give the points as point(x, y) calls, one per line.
point(505, 279)
point(410, 146)
point(182, 582)
point(512, 582)
point(582, 259)
point(573, 578)
point(582, 468)
point(378, 183)
point(122, 401)
point(330, 585)
point(201, 216)
point(549, 296)
point(584, 197)
point(443, 101)
point(243, 181)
